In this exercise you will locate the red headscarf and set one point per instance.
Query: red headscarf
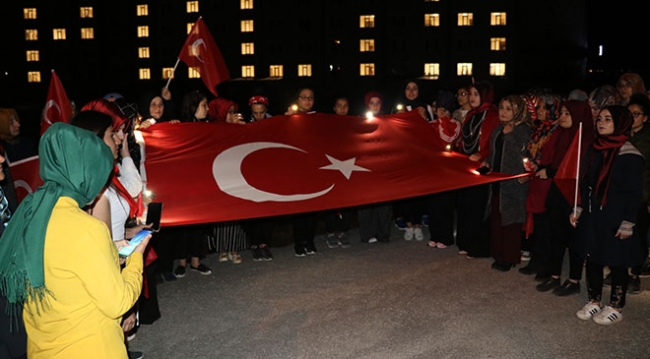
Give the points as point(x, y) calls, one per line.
point(372, 94)
point(610, 146)
point(218, 108)
point(108, 108)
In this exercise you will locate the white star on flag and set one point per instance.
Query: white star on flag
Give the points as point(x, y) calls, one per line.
point(346, 167)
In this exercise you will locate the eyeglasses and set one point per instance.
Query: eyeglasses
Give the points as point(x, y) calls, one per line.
point(637, 114)
point(310, 98)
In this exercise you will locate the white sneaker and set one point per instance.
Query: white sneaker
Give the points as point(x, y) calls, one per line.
point(408, 235)
point(441, 245)
point(608, 316)
point(588, 311)
point(372, 240)
point(418, 234)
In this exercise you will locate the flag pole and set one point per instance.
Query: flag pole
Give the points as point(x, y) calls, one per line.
point(173, 70)
point(575, 195)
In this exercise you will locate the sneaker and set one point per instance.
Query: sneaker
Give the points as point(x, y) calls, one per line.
point(462, 252)
point(588, 311)
point(135, 355)
point(179, 272)
point(400, 223)
point(635, 284)
point(223, 257)
point(408, 235)
point(525, 256)
point(300, 252)
point(266, 253)
point(417, 232)
point(441, 245)
point(343, 241)
point(332, 241)
point(549, 284)
point(432, 244)
point(311, 249)
point(234, 257)
point(130, 337)
point(257, 252)
point(169, 276)
point(202, 268)
point(567, 288)
point(372, 240)
point(608, 316)
point(425, 220)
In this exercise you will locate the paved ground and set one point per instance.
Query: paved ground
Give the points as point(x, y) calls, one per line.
point(396, 300)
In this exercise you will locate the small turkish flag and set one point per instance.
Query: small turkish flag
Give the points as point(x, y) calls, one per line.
point(201, 52)
point(26, 176)
point(566, 177)
point(57, 106)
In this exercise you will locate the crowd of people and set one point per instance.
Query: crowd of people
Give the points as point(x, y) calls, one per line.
point(71, 294)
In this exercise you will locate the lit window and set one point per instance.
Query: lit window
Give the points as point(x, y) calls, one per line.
point(86, 12)
point(276, 71)
point(498, 43)
point(32, 55)
point(143, 52)
point(145, 74)
point(366, 21)
point(190, 26)
point(367, 69)
point(87, 33)
point(248, 71)
point(143, 31)
point(367, 45)
point(431, 20)
point(142, 10)
point(247, 48)
point(465, 19)
point(31, 34)
point(431, 0)
point(192, 6)
point(247, 26)
point(464, 69)
point(193, 73)
point(246, 4)
point(304, 70)
point(498, 69)
point(432, 70)
point(33, 76)
point(167, 72)
point(498, 19)
point(30, 13)
point(58, 34)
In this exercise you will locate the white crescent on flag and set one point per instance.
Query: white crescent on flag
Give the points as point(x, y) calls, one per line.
point(48, 104)
point(196, 52)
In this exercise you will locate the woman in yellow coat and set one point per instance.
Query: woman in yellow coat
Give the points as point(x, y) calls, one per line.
point(61, 262)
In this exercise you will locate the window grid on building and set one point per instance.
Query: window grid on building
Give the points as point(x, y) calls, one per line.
point(246, 4)
point(431, 20)
point(367, 21)
point(367, 45)
point(497, 69)
point(276, 71)
point(143, 52)
point(498, 43)
point(248, 71)
point(498, 19)
point(86, 12)
point(190, 26)
point(143, 31)
point(144, 74)
point(192, 6)
point(29, 13)
point(167, 72)
point(464, 69)
point(248, 48)
point(87, 33)
point(304, 70)
point(193, 73)
point(367, 69)
point(247, 26)
point(142, 10)
point(33, 76)
point(33, 55)
point(58, 34)
point(465, 19)
point(31, 34)
point(432, 70)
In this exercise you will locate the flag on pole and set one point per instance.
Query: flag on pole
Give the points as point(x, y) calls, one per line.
point(201, 52)
point(566, 178)
point(57, 106)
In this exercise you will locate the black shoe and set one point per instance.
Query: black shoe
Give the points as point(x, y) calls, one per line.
point(549, 284)
point(502, 267)
point(541, 277)
point(135, 355)
point(311, 249)
point(567, 288)
point(266, 253)
point(528, 270)
point(300, 252)
point(179, 272)
point(635, 284)
point(257, 253)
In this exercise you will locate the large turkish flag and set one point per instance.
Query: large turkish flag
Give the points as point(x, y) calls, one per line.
point(209, 172)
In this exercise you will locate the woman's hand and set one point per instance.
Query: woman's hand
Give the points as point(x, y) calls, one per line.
point(542, 174)
point(475, 157)
point(143, 245)
point(573, 220)
point(131, 232)
point(146, 123)
point(128, 322)
point(235, 118)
